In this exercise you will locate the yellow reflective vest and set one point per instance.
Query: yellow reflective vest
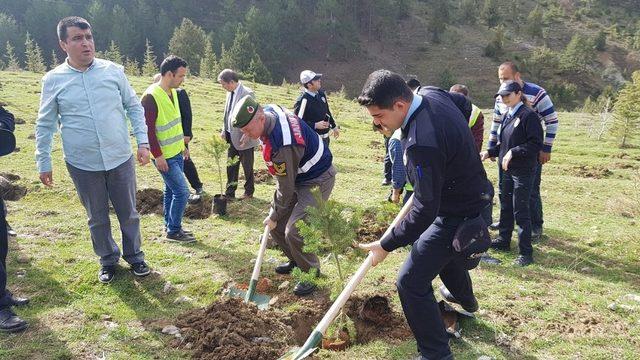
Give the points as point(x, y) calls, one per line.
point(169, 122)
point(475, 112)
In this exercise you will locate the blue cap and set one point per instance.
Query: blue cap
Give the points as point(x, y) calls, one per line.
point(508, 87)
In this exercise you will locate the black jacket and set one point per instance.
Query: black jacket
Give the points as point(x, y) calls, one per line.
point(522, 134)
point(185, 112)
point(7, 125)
point(443, 165)
point(315, 109)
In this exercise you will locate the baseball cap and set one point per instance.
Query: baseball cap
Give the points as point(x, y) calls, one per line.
point(308, 76)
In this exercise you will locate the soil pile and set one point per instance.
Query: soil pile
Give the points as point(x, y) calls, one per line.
point(588, 171)
point(370, 229)
point(149, 201)
point(10, 191)
point(230, 329)
point(374, 319)
point(199, 210)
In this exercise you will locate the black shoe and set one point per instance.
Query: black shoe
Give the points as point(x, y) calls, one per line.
point(106, 274)
point(494, 226)
point(140, 269)
point(500, 245)
point(536, 233)
point(16, 300)
point(10, 322)
point(523, 260)
point(470, 307)
point(286, 268)
point(10, 231)
point(386, 182)
point(188, 232)
point(181, 237)
point(304, 288)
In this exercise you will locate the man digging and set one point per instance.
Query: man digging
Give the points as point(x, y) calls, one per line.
point(299, 161)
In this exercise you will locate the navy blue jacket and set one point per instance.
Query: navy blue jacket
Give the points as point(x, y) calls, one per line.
point(7, 126)
point(442, 164)
point(316, 109)
point(522, 134)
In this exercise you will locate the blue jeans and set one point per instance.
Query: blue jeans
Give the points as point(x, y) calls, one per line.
point(176, 194)
point(515, 193)
point(536, 201)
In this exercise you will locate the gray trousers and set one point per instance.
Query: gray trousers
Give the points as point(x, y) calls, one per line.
point(286, 234)
point(245, 158)
point(95, 189)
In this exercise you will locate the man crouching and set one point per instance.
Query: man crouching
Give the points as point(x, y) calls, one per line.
point(299, 161)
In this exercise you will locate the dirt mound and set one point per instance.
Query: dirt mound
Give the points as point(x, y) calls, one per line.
point(149, 201)
point(10, 191)
point(370, 229)
point(10, 177)
point(199, 210)
point(230, 329)
point(589, 171)
point(374, 320)
point(262, 176)
point(374, 144)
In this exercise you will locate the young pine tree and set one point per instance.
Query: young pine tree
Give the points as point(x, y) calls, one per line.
point(33, 56)
point(113, 53)
point(54, 60)
point(12, 62)
point(626, 123)
point(149, 66)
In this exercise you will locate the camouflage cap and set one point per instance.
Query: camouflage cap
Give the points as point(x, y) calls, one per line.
point(244, 111)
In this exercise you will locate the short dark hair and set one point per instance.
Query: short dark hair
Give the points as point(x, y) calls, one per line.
point(511, 65)
point(413, 83)
point(228, 75)
point(172, 63)
point(71, 21)
point(459, 88)
point(383, 88)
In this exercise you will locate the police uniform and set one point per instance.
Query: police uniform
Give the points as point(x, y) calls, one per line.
point(449, 180)
point(313, 108)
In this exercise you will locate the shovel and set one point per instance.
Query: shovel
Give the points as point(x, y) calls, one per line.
point(262, 301)
point(316, 335)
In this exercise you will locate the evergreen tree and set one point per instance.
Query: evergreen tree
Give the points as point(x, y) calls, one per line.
point(438, 20)
point(542, 63)
point(149, 67)
point(188, 42)
point(131, 66)
point(113, 53)
point(534, 23)
point(123, 31)
point(209, 64)
point(626, 123)
point(578, 54)
point(100, 19)
point(468, 12)
point(54, 60)
point(258, 71)
point(495, 47)
point(9, 30)
point(239, 55)
point(600, 41)
point(33, 56)
point(490, 13)
point(12, 61)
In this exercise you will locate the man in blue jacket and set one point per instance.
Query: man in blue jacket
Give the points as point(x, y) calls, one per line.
point(9, 321)
point(448, 179)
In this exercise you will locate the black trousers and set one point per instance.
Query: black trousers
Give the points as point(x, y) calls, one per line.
point(191, 173)
point(431, 255)
point(5, 300)
point(245, 158)
point(387, 160)
point(515, 195)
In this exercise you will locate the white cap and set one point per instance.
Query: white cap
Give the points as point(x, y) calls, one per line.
point(308, 75)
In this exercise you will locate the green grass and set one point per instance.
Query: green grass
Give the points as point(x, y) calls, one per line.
point(555, 309)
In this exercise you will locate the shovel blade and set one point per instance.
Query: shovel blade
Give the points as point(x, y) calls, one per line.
point(293, 354)
point(262, 301)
